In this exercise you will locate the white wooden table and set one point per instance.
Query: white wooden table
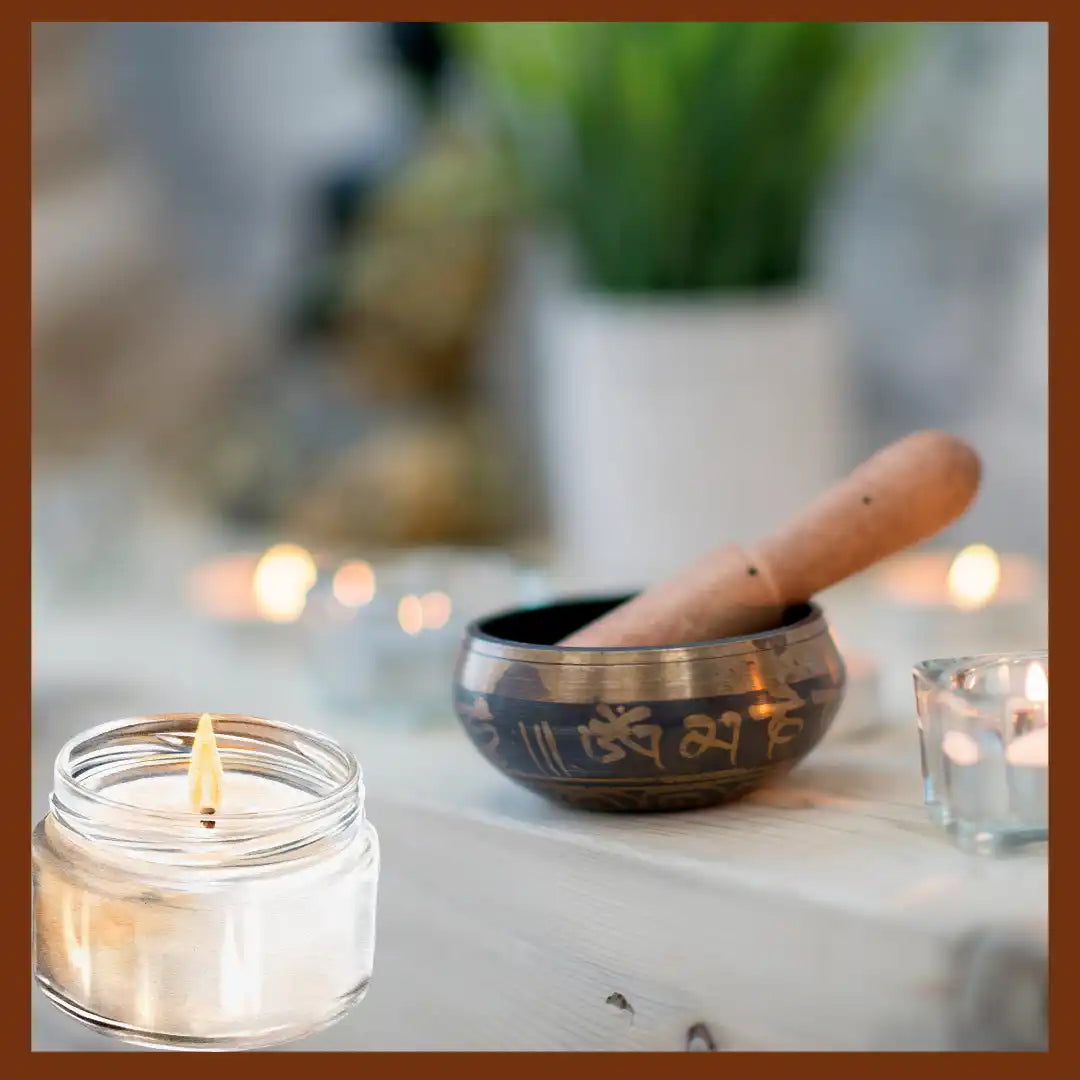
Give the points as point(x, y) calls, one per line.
point(825, 913)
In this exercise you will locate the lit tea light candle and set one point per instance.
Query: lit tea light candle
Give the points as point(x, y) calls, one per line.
point(206, 885)
point(251, 589)
point(435, 609)
point(1027, 753)
point(932, 604)
point(984, 742)
point(416, 614)
point(410, 615)
point(354, 584)
point(974, 579)
point(1031, 715)
point(222, 588)
point(1032, 748)
point(283, 578)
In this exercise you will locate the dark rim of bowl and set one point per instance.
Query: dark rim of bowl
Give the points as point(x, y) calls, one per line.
point(811, 624)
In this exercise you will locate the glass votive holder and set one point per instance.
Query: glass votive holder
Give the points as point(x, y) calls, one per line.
point(383, 636)
point(154, 927)
point(984, 740)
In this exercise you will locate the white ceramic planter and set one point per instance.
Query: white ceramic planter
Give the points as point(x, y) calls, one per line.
point(670, 425)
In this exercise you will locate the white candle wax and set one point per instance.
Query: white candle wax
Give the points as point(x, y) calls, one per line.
point(1027, 754)
point(241, 793)
point(1031, 748)
point(1027, 765)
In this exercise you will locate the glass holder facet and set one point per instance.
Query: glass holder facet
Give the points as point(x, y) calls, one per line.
point(984, 728)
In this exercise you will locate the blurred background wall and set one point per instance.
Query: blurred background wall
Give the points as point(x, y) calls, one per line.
point(612, 293)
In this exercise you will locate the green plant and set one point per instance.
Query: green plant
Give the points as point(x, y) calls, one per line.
point(679, 156)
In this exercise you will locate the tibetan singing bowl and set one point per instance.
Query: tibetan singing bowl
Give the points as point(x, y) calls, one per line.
point(639, 729)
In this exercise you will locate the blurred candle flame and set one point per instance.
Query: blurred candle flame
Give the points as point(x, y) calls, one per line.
point(974, 577)
point(410, 615)
point(1036, 685)
point(435, 608)
point(354, 584)
point(283, 578)
point(1033, 747)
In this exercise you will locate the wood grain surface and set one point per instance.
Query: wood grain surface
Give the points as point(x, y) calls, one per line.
point(826, 913)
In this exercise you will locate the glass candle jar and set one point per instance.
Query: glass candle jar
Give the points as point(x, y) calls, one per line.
point(984, 734)
point(160, 927)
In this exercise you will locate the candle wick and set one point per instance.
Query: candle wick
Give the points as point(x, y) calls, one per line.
point(207, 811)
point(1024, 721)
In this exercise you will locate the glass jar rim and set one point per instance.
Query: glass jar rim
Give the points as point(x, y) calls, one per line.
point(937, 670)
point(265, 747)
